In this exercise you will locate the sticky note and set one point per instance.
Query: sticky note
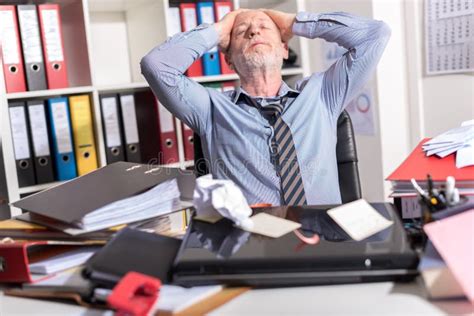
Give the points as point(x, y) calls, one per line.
point(271, 226)
point(359, 219)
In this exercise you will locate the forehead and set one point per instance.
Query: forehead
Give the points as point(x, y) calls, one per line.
point(249, 16)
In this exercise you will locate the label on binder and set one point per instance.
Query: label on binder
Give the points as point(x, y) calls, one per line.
point(189, 18)
point(174, 21)
point(166, 120)
point(61, 127)
point(19, 132)
point(222, 11)
point(8, 38)
point(39, 126)
point(53, 42)
point(109, 110)
point(129, 119)
point(31, 40)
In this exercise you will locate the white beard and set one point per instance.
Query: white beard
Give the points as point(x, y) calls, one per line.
point(257, 60)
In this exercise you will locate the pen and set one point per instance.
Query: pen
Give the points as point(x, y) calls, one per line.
point(430, 184)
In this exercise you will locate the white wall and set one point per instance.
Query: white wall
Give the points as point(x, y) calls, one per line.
point(445, 100)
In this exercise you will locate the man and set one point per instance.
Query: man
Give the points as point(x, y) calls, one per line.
point(276, 143)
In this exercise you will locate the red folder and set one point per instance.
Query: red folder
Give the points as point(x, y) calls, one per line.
point(168, 140)
point(11, 53)
point(188, 141)
point(417, 165)
point(188, 16)
point(221, 8)
point(53, 45)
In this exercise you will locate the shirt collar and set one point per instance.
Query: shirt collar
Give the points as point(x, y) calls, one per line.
point(284, 90)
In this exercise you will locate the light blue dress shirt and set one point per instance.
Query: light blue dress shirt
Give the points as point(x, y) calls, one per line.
point(236, 138)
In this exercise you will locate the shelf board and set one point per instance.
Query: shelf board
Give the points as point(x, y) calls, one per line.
point(123, 87)
point(39, 187)
point(49, 93)
point(202, 79)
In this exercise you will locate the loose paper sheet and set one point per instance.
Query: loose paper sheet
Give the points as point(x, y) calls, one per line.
point(358, 219)
point(272, 226)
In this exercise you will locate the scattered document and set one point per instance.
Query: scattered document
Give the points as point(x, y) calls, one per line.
point(452, 238)
point(271, 226)
point(63, 261)
point(458, 140)
point(175, 299)
point(358, 219)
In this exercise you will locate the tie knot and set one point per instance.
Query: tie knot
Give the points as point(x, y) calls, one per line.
point(273, 109)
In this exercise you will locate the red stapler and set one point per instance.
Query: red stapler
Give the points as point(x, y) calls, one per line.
point(134, 295)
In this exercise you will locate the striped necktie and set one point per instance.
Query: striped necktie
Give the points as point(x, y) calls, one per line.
point(284, 155)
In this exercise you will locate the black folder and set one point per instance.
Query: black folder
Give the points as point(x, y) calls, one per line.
point(112, 126)
point(133, 250)
point(44, 169)
point(21, 144)
point(72, 200)
point(32, 47)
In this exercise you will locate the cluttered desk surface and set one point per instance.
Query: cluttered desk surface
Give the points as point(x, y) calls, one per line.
point(372, 243)
point(361, 299)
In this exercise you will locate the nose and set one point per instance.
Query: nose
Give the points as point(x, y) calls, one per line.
point(253, 30)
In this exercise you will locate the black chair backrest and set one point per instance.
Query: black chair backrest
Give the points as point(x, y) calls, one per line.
point(346, 153)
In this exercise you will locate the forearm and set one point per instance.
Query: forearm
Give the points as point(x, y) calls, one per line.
point(356, 34)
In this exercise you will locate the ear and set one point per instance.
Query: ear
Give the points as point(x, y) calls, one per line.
point(228, 60)
point(286, 50)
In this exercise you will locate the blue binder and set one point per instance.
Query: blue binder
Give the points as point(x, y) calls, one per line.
point(210, 59)
point(61, 135)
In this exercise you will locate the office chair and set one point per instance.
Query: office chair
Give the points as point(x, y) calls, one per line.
point(346, 153)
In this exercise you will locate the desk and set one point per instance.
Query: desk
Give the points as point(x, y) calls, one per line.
point(355, 299)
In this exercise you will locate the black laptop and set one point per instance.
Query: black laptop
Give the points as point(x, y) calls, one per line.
point(223, 254)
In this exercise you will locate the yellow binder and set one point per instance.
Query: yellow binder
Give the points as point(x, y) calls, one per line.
point(83, 133)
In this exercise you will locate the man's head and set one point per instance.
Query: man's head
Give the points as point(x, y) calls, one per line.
point(255, 43)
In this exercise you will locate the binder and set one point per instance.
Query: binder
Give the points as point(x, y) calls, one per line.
point(210, 59)
point(43, 163)
point(21, 144)
point(221, 8)
point(187, 12)
point(112, 128)
point(65, 161)
point(130, 128)
point(32, 48)
point(188, 141)
point(148, 128)
point(169, 144)
point(83, 133)
point(12, 57)
point(16, 257)
point(174, 20)
point(53, 45)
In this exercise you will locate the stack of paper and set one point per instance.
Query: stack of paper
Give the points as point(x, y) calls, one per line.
point(459, 140)
point(63, 261)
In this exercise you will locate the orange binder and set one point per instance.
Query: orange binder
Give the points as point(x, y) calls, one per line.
point(53, 46)
point(417, 165)
point(188, 22)
point(169, 143)
point(221, 8)
point(188, 141)
point(11, 53)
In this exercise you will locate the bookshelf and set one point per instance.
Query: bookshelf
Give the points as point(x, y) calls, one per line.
point(104, 41)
